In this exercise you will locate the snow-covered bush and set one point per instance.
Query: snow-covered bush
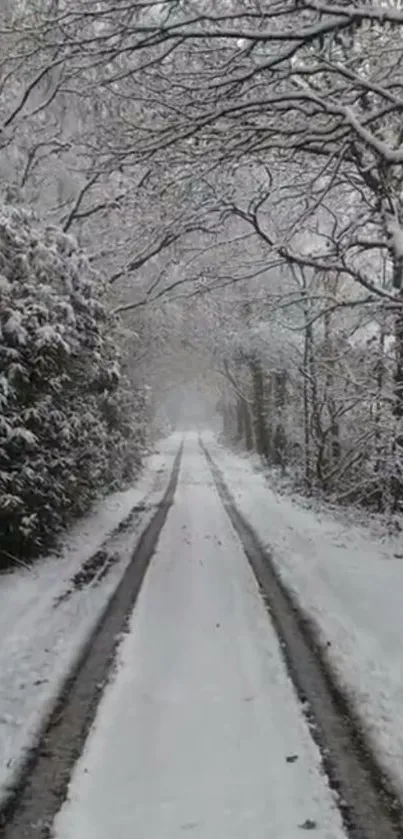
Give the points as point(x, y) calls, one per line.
point(70, 426)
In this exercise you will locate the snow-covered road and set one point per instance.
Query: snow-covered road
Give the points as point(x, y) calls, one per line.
point(348, 578)
point(199, 730)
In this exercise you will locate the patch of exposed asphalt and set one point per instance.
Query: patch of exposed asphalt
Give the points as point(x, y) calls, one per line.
point(96, 567)
point(93, 570)
point(368, 804)
point(42, 787)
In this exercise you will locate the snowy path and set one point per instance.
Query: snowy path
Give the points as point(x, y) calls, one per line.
point(41, 640)
point(193, 733)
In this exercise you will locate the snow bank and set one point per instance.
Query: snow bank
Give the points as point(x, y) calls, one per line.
point(350, 583)
point(39, 640)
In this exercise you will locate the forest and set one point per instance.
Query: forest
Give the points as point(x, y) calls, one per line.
point(198, 194)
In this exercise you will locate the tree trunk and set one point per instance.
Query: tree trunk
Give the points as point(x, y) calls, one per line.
point(399, 362)
point(334, 449)
point(379, 468)
point(397, 480)
point(259, 417)
point(240, 419)
point(279, 437)
point(247, 426)
point(226, 416)
point(313, 435)
point(307, 436)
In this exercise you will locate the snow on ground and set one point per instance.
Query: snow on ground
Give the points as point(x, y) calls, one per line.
point(193, 732)
point(352, 586)
point(39, 641)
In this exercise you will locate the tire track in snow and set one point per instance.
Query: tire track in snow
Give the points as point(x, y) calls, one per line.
point(45, 777)
point(370, 810)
